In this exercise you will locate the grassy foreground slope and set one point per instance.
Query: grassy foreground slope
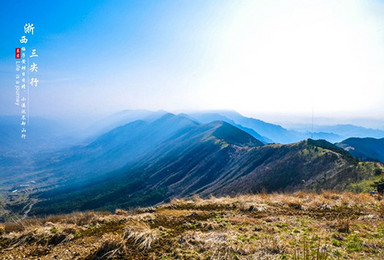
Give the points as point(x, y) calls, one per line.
point(266, 226)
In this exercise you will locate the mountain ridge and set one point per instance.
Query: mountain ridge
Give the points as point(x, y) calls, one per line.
point(145, 162)
point(366, 149)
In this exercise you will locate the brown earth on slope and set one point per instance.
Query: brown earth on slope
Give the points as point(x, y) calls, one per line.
point(265, 226)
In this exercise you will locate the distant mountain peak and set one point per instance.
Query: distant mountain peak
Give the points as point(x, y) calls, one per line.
point(172, 118)
point(233, 135)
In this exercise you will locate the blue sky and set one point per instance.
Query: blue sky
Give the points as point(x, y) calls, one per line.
point(86, 46)
point(261, 58)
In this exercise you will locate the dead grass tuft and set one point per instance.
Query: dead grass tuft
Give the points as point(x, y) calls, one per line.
point(121, 212)
point(140, 234)
point(110, 246)
point(13, 227)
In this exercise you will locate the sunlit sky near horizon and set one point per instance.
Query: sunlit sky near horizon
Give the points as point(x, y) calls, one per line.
point(287, 58)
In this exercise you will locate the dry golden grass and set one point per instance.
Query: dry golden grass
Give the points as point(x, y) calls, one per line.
point(266, 226)
point(140, 234)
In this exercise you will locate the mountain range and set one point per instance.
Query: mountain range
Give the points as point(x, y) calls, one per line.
point(141, 158)
point(188, 158)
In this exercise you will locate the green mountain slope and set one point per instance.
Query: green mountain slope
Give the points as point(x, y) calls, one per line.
point(211, 159)
point(367, 149)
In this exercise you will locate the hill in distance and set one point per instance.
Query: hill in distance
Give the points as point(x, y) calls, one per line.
point(367, 149)
point(265, 132)
point(338, 133)
point(274, 133)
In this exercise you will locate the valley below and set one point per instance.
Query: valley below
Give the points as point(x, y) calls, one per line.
point(200, 186)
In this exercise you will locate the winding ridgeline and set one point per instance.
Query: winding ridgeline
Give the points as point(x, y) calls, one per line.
point(145, 163)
